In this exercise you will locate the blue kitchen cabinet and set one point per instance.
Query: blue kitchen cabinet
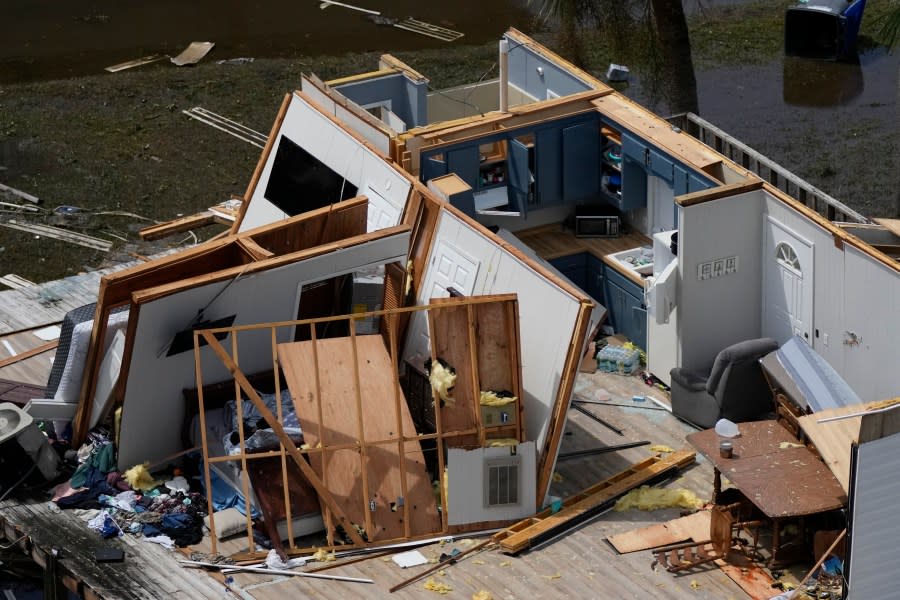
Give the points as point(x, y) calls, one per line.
point(581, 157)
point(574, 267)
point(687, 181)
point(548, 166)
point(625, 303)
point(465, 162)
point(595, 279)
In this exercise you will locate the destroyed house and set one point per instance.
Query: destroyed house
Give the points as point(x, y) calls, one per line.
point(385, 346)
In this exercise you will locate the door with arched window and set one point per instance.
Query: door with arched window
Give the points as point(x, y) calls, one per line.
point(787, 284)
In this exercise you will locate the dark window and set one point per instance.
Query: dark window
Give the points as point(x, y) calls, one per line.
point(300, 182)
point(184, 340)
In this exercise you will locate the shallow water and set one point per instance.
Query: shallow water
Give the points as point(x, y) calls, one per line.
point(48, 39)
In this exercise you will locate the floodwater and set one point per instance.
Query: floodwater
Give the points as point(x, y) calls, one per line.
point(833, 123)
point(49, 39)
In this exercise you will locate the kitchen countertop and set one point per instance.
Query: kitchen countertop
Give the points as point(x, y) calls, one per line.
point(555, 241)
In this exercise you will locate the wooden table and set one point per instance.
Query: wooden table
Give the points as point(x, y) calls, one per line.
point(781, 479)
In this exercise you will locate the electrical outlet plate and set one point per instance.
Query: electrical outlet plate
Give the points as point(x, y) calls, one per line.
point(719, 267)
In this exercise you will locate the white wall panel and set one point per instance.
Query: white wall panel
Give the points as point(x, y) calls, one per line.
point(547, 317)
point(874, 526)
point(715, 313)
point(341, 152)
point(154, 406)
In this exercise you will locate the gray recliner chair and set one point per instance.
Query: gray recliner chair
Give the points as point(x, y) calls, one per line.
point(734, 389)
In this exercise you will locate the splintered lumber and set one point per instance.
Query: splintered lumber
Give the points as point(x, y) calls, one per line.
point(180, 225)
point(15, 282)
point(266, 571)
point(692, 527)
point(10, 360)
point(61, 234)
point(576, 509)
point(423, 28)
point(19, 193)
point(440, 565)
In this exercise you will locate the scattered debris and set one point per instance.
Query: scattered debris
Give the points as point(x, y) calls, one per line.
point(785, 445)
point(137, 62)
point(482, 595)
point(15, 282)
point(242, 132)
point(265, 571)
point(581, 507)
point(326, 3)
point(434, 586)
point(617, 73)
point(60, 234)
point(193, 53)
point(413, 558)
point(240, 60)
point(420, 27)
point(19, 193)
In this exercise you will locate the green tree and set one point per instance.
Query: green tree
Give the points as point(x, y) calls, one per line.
point(890, 33)
point(667, 25)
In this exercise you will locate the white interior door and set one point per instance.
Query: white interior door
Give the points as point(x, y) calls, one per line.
point(787, 284)
point(449, 267)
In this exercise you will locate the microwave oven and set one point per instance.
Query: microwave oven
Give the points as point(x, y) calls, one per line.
point(596, 226)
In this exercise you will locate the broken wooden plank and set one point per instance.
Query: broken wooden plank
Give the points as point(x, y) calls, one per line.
point(61, 234)
point(423, 28)
point(692, 527)
point(20, 194)
point(15, 282)
point(522, 535)
point(238, 130)
point(326, 3)
point(180, 225)
point(137, 62)
point(11, 360)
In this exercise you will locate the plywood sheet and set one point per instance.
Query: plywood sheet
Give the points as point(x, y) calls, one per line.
point(449, 333)
point(342, 470)
point(833, 439)
point(692, 527)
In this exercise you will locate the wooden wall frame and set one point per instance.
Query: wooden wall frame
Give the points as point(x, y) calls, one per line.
point(324, 225)
point(398, 443)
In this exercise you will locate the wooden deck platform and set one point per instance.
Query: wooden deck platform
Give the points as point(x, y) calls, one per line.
point(580, 564)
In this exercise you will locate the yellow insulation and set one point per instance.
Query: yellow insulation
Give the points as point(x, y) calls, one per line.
point(648, 498)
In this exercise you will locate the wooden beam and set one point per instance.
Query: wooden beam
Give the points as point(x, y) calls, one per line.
point(553, 438)
point(716, 193)
point(161, 230)
point(253, 249)
point(523, 534)
point(11, 360)
point(266, 414)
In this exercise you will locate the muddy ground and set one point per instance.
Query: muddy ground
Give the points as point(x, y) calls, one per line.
point(120, 143)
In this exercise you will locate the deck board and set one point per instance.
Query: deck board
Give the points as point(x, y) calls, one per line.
point(588, 566)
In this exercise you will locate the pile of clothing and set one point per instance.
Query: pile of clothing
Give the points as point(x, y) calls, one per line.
point(132, 502)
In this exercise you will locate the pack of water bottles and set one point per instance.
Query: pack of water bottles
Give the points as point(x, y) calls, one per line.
point(618, 359)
